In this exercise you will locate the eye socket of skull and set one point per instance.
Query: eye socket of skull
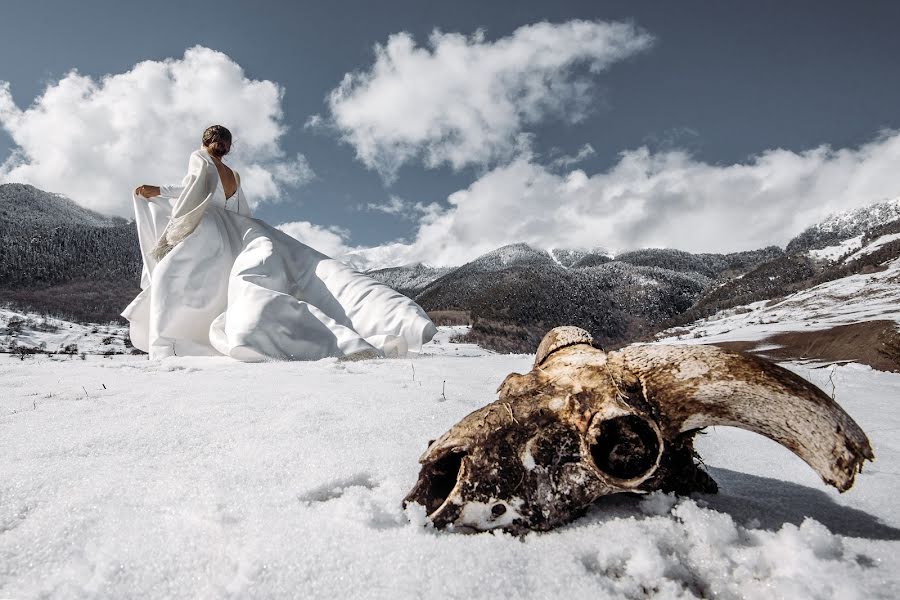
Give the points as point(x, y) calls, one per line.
point(442, 477)
point(625, 447)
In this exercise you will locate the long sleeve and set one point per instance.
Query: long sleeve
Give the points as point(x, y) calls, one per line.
point(172, 191)
point(189, 206)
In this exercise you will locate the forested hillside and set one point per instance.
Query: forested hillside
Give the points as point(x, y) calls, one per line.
point(58, 257)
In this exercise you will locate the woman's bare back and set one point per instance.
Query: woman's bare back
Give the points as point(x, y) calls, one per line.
point(226, 175)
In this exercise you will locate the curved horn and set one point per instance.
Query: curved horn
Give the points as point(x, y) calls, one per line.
point(697, 386)
point(562, 337)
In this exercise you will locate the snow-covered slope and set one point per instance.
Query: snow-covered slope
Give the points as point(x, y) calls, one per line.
point(205, 477)
point(410, 279)
point(512, 254)
point(23, 205)
point(58, 257)
point(873, 246)
point(854, 316)
point(32, 331)
point(832, 253)
point(517, 292)
point(842, 226)
point(853, 299)
point(566, 257)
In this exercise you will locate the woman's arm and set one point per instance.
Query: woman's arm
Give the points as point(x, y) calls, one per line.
point(164, 191)
point(188, 207)
point(171, 191)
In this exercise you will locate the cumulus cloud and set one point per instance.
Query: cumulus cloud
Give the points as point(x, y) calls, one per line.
point(332, 240)
point(468, 101)
point(94, 140)
point(647, 199)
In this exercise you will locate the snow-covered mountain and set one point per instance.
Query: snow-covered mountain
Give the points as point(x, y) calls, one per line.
point(711, 265)
point(23, 205)
point(853, 315)
point(842, 226)
point(58, 257)
point(409, 279)
point(515, 292)
point(799, 270)
point(568, 257)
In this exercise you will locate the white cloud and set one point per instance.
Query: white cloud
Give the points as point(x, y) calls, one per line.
point(566, 161)
point(328, 240)
point(395, 205)
point(314, 122)
point(666, 199)
point(94, 140)
point(465, 100)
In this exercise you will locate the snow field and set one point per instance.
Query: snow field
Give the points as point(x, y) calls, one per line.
point(30, 329)
point(852, 299)
point(833, 253)
point(874, 245)
point(205, 477)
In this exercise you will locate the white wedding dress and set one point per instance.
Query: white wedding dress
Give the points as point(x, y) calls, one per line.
point(239, 287)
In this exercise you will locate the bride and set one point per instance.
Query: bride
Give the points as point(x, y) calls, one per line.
point(217, 281)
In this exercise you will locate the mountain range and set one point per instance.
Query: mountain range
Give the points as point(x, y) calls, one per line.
point(59, 258)
point(515, 293)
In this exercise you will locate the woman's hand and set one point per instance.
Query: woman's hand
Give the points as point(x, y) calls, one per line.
point(147, 191)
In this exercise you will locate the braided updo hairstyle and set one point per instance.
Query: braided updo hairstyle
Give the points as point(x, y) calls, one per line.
point(217, 140)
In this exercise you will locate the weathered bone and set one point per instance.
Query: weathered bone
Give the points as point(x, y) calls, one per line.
point(561, 337)
point(584, 424)
point(699, 386)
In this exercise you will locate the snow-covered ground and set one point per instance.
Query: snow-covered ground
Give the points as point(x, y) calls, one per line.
point(874, 245)
point(853, 299)
point(206, 477)
point(833, 253)
point(31, 330)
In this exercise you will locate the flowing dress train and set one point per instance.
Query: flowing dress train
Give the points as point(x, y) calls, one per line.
point(239, 287)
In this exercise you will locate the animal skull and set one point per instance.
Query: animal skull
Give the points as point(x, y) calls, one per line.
point(584, 423)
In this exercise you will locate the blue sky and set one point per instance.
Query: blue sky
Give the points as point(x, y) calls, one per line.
point(716, 86)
